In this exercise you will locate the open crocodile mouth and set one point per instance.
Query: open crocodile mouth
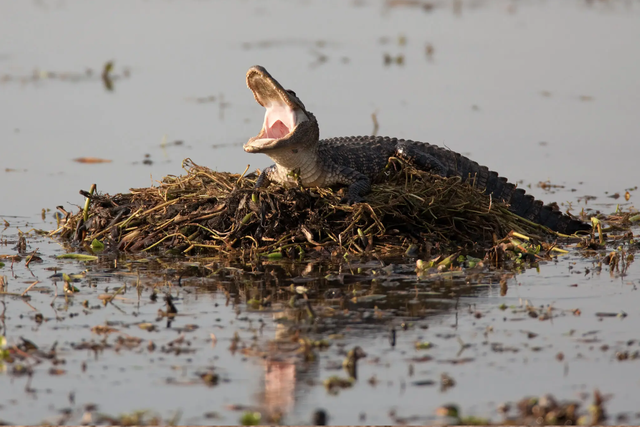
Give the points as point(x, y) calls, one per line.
point(284, 111)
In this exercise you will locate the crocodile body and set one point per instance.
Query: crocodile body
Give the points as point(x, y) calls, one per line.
point(290, 136)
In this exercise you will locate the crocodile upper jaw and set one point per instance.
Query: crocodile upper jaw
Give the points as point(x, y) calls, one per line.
point(284, 112)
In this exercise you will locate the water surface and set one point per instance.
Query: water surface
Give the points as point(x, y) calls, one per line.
point(536, 90)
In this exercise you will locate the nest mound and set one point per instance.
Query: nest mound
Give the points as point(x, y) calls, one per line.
point(216, 212)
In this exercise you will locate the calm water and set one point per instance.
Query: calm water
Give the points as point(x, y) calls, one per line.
point(536, 90)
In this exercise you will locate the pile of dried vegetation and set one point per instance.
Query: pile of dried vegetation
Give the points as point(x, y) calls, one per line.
point(216, 212)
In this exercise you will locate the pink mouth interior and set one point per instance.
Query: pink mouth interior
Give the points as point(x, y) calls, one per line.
point(277, 130)
point(279, 120)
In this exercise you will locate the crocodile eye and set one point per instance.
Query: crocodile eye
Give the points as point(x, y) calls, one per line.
point(293, 94)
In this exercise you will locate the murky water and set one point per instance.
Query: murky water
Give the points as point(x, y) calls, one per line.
point(536, 90)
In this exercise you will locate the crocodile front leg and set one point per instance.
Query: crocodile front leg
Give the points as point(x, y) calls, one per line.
point(359, 184)
point(420, 159)
point(357, 190)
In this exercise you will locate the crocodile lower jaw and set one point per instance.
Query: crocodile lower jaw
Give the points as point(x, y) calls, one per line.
point(258, 145)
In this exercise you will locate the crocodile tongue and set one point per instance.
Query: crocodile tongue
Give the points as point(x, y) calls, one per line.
point(284, 111)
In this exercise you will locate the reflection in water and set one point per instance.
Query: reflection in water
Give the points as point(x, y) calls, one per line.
point(279, 376)
point(279, 387)
point(280, 369)
point(371, 297)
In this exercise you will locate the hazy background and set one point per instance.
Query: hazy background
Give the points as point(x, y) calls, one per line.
point(534, 89)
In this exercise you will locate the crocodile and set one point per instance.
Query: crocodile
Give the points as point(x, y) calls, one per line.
point(290, 136)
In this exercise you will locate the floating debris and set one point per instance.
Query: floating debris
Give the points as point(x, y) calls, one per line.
point(91, 160)
point(107, 76)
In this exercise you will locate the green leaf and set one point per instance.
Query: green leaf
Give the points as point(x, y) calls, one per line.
point(246, 218)
point(97, 245)
point(445, 263)
point(254, 303)
point(250, 418)
point(423, 345)
point(79, 257)
point(274, 255)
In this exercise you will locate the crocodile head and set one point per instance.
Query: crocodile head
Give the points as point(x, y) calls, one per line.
point(287, 123)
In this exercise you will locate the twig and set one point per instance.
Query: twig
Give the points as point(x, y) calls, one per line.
point(241, 176)
point(120, 289)
point(26, 264)
point(29, 288)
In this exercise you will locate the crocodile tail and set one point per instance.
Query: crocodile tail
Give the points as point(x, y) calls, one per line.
point(526, 206)
point(520, 203)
